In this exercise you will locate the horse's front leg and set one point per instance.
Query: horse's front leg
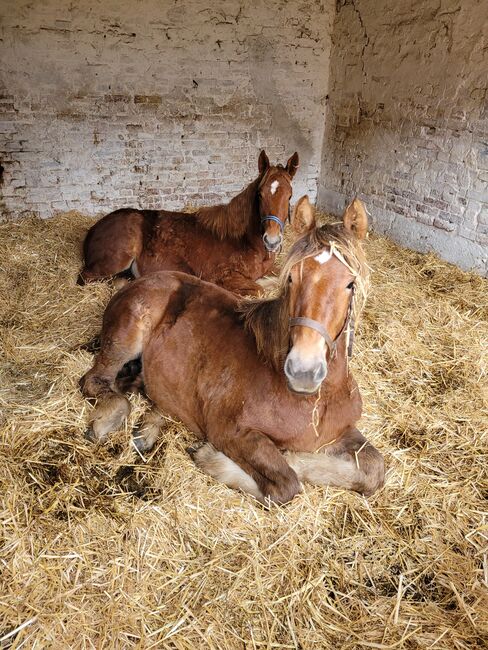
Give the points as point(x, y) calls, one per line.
point(351, 463)
point(251, 462)
point(111, 408)
point(122, 343)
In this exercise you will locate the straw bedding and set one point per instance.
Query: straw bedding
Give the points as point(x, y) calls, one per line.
point(103, 549)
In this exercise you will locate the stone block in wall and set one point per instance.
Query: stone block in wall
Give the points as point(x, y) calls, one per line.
point(426, 210)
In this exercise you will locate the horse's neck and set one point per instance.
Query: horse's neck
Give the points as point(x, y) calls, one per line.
point(245, 204)
point(235, 219)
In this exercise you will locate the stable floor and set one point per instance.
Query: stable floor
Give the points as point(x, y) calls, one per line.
point(103, 549)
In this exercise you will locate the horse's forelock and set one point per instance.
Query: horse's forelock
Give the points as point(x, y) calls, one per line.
point(272, 173)
point(348, 246)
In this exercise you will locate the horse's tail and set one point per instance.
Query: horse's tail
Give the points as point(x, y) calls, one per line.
point(113, 244)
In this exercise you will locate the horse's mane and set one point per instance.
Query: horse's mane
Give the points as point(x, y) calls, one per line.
point(268, 318)
point(232, 220)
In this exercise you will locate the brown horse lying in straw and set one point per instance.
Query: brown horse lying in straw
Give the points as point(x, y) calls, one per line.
point(252, 377)
point(232, 245)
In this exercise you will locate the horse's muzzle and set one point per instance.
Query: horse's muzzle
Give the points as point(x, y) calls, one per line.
point(304, 380)
point(272, 243)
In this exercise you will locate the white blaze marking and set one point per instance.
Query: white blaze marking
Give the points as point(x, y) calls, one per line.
point(274, 186)
point(323, 257)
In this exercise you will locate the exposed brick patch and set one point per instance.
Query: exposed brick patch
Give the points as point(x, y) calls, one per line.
point(153, 100)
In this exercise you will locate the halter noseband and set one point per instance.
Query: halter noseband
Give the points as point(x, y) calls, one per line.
point(271, 217)
point(318, 327)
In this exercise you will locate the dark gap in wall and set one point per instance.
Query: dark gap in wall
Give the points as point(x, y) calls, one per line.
point(2, 169)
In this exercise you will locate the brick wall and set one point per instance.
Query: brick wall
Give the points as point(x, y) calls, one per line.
point(407, 122)
point(160, 104)
point(157, 104)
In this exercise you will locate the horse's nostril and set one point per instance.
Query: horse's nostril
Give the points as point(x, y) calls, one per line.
point(289, 367)
point(319, 372)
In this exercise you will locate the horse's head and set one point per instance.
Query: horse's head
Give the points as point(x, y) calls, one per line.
point(322, 281)
point(274, 198)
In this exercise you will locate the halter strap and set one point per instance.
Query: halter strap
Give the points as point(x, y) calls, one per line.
point(314, 325)
point(318, 327)
point(271, 217)
point(350, 342)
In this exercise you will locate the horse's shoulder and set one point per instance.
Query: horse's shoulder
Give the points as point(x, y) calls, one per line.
point(208, 298)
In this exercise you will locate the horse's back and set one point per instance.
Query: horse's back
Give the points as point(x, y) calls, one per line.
point(112, 244)
point(123, 222)
point(164, 297)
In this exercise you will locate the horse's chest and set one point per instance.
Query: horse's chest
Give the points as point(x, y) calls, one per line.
point(303, 423)
point(282, 418)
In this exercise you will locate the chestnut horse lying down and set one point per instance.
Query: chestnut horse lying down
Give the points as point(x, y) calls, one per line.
point(251, 378)
point(232, 245)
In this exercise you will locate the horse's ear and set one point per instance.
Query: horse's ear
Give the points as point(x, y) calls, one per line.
point(303, 218)
point(355, 218)
point(292, 164)
point(263, 162)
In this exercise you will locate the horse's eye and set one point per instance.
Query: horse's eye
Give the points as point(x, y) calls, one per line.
point(289, 279)
point(350, 285)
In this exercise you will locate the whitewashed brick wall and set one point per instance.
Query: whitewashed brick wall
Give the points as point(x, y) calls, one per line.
point(156, 103)
point(407, 124)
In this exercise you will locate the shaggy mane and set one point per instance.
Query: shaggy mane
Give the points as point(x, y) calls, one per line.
point(268, 318)
point(232, 220)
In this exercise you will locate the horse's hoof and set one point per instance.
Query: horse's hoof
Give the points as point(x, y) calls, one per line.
point(191, 451)
point(141, 444)
point(90, 435)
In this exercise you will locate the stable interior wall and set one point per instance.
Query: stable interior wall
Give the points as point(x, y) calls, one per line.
point(162, 104)
point(156, 104)
point(407, 122)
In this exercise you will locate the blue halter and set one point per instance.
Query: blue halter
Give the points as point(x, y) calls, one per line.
point(271, 217)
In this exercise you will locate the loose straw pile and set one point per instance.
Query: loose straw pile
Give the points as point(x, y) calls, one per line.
point(102, 549)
